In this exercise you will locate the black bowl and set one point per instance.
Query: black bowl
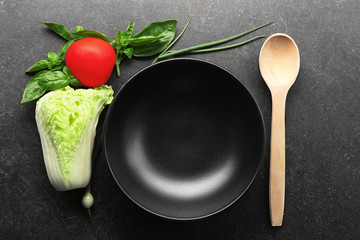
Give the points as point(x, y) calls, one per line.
point(184, 138)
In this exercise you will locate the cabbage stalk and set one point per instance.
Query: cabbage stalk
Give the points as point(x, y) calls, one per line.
point(66, 121)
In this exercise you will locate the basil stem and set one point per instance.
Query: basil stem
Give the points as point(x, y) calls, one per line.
point(210, 44)
point(119, 58)
point(173, 42)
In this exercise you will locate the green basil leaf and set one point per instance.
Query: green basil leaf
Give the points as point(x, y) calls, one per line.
point(66, 72)
point(149, 45)
point(144, 40)
point(64, 48)
point(73, 81)
point(75, 30)
point(128, 52)
point(78, 29)
point(52, 56)
point(39, 65)
point(70, 78)
point(120, 39)
point(59, 29)
point(54, 61)
point(158, 28)
point(53, 80)
point(90, 33)
point(33, 90)
point(58, 67)
point(153, 39)
point(129, 32)
point(117, 37)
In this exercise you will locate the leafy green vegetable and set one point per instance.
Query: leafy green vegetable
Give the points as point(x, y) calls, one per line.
point(53, 80)
point(153, 39)
point(128, 52)
point(70, 78)
point(58, 67)
point(64, 48)
point(77, 29)
point(39, 65)
point(52, 56)
point(67, 121)
point(59, 29)
point(120, 43)
point(48, 80)
point(33, 90)
point(53, 60)
point(129, 32)
point(90, 33)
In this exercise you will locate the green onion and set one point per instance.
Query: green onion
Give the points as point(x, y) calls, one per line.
point(173, 42)
point(195, 49)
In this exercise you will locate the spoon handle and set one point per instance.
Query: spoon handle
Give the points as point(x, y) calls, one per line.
point(277, 159)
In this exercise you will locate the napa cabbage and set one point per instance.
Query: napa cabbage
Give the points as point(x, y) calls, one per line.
point(66, 121)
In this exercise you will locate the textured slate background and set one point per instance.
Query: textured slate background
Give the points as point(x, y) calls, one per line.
point(322, 138)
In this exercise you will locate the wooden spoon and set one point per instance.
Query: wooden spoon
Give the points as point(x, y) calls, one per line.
point(279, 66)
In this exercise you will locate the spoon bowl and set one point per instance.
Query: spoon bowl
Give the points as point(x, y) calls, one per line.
point(279, 63)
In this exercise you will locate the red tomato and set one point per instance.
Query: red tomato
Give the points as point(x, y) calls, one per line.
point(91, 61)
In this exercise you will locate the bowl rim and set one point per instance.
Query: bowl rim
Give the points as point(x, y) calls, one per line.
point(104, 143)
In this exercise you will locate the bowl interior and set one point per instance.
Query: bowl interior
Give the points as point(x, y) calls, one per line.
point(183, 138)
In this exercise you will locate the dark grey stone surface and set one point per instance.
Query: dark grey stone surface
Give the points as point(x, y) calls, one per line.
point(322, 120)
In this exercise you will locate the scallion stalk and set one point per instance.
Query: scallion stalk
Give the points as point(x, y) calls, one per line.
point(196, 48)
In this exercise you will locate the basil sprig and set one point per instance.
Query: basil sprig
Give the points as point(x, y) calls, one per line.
point(153, 39)
point(150, 41)
point(48, 80)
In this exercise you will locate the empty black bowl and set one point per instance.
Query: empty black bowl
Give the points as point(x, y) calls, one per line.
point(184, 138)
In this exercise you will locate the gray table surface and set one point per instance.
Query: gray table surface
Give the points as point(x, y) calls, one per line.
point(322, 120)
